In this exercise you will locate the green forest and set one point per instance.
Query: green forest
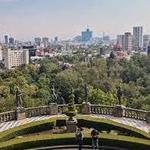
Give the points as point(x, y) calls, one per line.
point(102, 76)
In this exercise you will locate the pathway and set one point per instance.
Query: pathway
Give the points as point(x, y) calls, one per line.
point(142, 125)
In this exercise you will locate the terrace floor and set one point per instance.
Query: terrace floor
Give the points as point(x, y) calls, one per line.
point(142, 125)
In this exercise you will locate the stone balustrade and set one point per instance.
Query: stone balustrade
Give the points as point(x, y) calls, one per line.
point(102, 109)
point(62, 109)
point(135, 114)
point(7, 116)
point(85, 108)
point(37, 111)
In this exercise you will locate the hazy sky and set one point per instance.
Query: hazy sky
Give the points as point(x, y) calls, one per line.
point(28, 18)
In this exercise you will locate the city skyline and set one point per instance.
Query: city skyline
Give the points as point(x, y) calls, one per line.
point(26, 19)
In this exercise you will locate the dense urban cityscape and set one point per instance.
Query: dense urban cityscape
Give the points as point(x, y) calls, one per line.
point(14, 52)
point(64, 86)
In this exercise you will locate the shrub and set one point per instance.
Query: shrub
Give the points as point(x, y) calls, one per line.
point(27, 128)
point(69, 139)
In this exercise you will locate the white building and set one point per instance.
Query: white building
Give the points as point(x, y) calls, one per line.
point(14, 58)
point(137, 38)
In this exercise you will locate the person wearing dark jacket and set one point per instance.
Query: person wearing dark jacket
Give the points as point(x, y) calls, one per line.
point(79, 138)
point(95, 141)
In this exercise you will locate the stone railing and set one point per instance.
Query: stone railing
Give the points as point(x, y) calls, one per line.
point(85, 108)
point(37, 111)
point(135, 114)
point(62, 109)
point(7, 116)
point(102, 109)
point(120, 111)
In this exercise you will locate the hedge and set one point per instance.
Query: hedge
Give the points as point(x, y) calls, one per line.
point(27, 128)
point(102, 124)
point(85, 121)
point(68, 139)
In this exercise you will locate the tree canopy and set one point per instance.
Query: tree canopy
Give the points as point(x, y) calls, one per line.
point(102, 76)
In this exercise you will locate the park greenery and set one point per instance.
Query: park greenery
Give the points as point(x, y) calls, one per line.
point(102, 76)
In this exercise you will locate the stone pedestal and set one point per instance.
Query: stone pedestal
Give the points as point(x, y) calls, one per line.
point(86, 108)
point(148, 117)
point(53, 109)
point(119, 111)
point(71, 125)
point(20, 113)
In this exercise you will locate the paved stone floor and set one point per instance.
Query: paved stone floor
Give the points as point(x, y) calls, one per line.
point(142, 125)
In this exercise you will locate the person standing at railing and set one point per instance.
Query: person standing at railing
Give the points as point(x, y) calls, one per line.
point(95, 141)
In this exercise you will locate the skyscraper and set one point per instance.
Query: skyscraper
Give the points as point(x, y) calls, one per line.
point(148, 48)
point(120, 41)
point(6, 39)
point(45, 41)
point(11, 41)
point(37, 41)
point(86, 35)
point(137, 38)
point(146, 40)
point(127, 41)
point(1, 54)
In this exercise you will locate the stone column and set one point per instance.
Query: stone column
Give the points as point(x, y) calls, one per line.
point(86, 108)
point(119, 111)
point(53, 109)
point(148, 117)
point(20, 113)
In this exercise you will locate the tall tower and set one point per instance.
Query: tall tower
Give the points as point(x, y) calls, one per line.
point(6, 39)
point(128, 41)
point(86, 35)
point(137, 38)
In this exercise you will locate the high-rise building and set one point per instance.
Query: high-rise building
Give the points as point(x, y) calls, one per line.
point(56, 39)
point(137, 38)
point(120, 41)
point(37, 41)
point(6, 39)
point(32, 50)
point(146, 40)
point(1, 54)
point(86, 35)
point(14, 58)
point(11, 41)
point(45, 41)
point(148, 49)
point(127, 41)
